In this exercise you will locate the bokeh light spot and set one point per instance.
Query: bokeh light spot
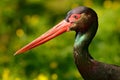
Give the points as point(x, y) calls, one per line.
point(42, 77)
point(88, 3)
point(53, 65)
point(5, 75)
point(107, 4)
point(54, 76)
point(32, 20)
point(17, 78)
point(19, 33)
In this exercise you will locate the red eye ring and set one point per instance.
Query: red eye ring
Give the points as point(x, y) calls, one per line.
point(74, 17)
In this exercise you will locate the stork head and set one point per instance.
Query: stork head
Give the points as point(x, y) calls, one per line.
point(79, 19)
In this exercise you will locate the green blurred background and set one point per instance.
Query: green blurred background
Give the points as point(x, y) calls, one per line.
point(21, 21)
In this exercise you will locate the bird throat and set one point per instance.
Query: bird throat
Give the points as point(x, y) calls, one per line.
point(79, 39)
point(81, 47)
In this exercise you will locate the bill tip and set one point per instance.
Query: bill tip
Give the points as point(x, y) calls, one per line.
point(15, 53)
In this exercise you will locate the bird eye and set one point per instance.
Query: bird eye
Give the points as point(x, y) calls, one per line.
point(75, 17)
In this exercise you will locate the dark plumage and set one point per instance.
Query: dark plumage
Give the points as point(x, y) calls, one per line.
point(84, 22)
point(89, 68)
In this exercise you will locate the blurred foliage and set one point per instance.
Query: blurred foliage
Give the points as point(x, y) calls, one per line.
point(21, 21)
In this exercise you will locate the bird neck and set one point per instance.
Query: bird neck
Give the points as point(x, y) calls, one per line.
point(81, 45)
point(83, 59)
point(81, 53)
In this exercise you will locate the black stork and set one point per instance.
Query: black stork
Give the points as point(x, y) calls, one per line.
point(84, 22)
